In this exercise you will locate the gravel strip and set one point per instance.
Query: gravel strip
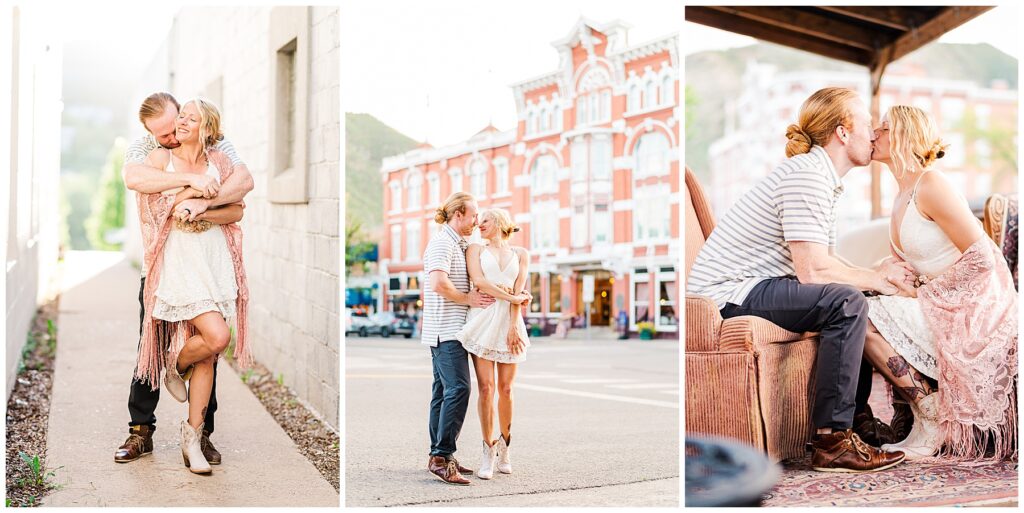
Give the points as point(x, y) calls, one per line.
point(317, 442)
point(28, 413)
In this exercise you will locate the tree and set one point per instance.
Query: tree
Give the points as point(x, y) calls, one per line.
point(108, 204)
point(356, 245)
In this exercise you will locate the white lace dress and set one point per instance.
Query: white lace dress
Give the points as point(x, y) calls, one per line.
point(899, 319)
point(198, 275)
point(486, 329)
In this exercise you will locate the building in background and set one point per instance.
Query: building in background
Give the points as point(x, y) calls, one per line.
point(30, 121)
point(590, 173)
point(274, 73)
point(965, 111)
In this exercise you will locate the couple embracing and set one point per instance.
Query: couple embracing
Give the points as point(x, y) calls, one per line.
point(937, 318)
point(472, 306)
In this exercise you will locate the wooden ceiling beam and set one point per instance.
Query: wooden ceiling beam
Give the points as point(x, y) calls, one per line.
point(948, 19)
point(774, 34)
point(815, 25)
point(899, 18)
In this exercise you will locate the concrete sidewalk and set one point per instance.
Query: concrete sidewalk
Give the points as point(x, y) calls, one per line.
point(98, 336)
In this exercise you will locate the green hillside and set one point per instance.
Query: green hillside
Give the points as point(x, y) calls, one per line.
point(367, 141)
point(712, 77)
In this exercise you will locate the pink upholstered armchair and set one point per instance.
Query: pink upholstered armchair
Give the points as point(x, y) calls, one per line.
point(746, 378)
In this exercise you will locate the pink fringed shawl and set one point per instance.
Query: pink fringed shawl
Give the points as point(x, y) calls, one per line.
point(156, 220)
point(972, 312)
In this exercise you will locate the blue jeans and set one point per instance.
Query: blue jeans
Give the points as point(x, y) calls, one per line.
point(450, 399)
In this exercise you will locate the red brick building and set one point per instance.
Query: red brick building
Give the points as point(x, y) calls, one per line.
point(591, 174)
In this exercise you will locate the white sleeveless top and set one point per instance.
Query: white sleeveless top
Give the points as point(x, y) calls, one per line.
point(925, 245)
point(486, 329)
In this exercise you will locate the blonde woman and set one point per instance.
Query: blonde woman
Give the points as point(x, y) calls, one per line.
point(195, 277)
point(496, 336)
point(955, 322)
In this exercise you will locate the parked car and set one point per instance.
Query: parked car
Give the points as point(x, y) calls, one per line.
point(387, 324)
point(356, 323)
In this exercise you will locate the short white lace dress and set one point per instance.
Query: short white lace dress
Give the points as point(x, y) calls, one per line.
point(486, 329)
point(899, 319)
point(198, 275)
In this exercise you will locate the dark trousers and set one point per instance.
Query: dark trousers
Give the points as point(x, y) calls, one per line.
point(142, 400)
point(840, 313)
point(450, 399)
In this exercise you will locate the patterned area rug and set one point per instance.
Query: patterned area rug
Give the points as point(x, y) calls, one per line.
point(907, 484)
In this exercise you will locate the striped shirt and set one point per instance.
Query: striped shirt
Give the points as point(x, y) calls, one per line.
point(443, 318)
point(140, 148)
point(795, 202)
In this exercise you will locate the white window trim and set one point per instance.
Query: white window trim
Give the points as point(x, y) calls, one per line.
point(635, 278)
point(658, 279)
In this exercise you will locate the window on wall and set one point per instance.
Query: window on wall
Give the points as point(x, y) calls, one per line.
point(288, 172)
point(595, 109)
point(601, 157)
point(641, 298)
point(606, 105)
point(544, 225)
point(602, 225)
point(531, 125)
point(581, 110)
point(415, 192)
point(650, 94)
point(535, 290)
point(579, 226)
point(456, 177)
point(667, 314)
point(578, 154)
point(396, 195)
point(478, 178)
point(652, 155)
point(434, 190)
point(412, 240)
point(652, 216)
point(544, 118)
point(554, 293)
point(556, 118)
point(667, 90)
point(633, 100)
point(543, 174)
point(500, 176)
point(396, 242)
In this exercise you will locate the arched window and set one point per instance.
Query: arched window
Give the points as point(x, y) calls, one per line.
point(606, 105)
point(667, 90)
point(396, 195)
point(634, 98)
point(478, 178)
point(415, 188)
point(433, 190)
point(652, 152)
point(650, 94)
point(456, 178)
point(581, 110)
point(542, 174)
point(531, 125)
point(544, 118)
point(500, 176)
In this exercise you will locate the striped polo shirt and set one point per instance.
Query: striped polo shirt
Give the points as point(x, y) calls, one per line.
point(442, 318)
point(795, 202)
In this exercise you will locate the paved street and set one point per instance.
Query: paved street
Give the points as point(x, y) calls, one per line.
point(596, 424)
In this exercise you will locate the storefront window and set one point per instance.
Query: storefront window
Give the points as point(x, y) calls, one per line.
point(641, 301)
point(535, 290)
point(667, 315)
point(554, 293)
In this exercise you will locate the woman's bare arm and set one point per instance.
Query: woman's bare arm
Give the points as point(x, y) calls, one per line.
point(222, 215)
point(476, 274)
point(520, 283)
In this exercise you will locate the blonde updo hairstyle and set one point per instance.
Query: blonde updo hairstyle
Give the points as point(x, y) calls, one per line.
point(820, 115)
point(502, 220)
point(209, 122)
point(914, 142)
point(456, 203)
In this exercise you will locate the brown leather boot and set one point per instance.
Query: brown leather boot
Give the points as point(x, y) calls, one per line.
point(902, 420)
point(872, 430)
point(844, 451)
point(446, 470)
point(138, 444)
point(209, 451)
point(462, 470)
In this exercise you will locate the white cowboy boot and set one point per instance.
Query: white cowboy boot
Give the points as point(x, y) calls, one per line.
point(191, 451)
point(175, 382)
point(490, 458)
point(925, 437)
point(504, 455)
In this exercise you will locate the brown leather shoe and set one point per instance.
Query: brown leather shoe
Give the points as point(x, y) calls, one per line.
point(844, 451)
point(872, 430)
point(462, 470)
point(138, 444)
point(209, 451)
point(446, 470)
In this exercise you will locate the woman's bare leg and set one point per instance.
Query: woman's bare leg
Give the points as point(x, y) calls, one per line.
point(906, 380)
point(485, 401)
point(214, 336)
point(506, 375)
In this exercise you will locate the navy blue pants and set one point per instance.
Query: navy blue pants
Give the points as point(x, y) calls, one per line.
point(840, 313)
point(450, 399)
